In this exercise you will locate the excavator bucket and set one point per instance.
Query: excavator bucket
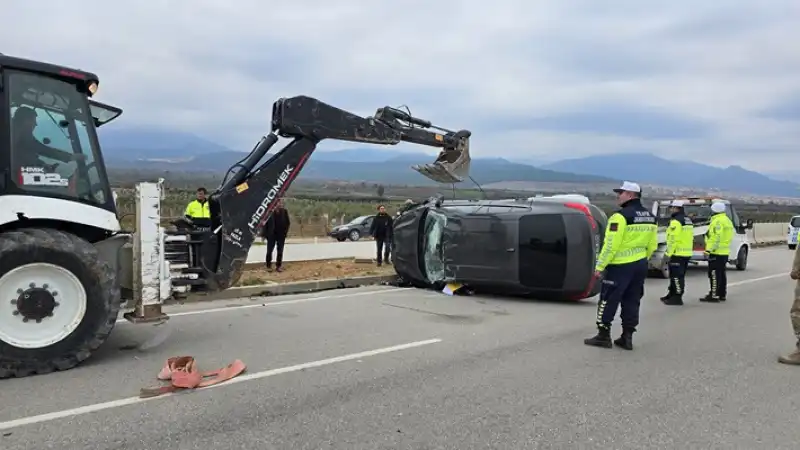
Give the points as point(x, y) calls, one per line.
point(451, 166)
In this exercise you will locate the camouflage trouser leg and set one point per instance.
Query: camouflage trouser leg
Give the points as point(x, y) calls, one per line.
point(794, 313)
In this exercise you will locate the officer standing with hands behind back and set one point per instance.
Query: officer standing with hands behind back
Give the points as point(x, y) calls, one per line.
point(680, 246)
point(631, 239)
point(718, 250)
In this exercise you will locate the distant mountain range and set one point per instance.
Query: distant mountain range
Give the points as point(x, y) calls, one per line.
point(654, 170)
point(167, 150)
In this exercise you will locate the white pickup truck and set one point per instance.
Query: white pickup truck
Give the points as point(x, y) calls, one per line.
point(699, 209)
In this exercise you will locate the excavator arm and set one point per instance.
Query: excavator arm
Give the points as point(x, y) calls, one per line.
point(245, 199)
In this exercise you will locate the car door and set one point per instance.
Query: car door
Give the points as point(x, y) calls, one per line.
point(366, 225)
point(739, 231)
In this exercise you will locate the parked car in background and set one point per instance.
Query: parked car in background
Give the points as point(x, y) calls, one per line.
point(353, 230)
point(544, 247)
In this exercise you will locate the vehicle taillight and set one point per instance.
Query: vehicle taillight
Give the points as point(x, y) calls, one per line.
point(585, 210)
point(593, 223)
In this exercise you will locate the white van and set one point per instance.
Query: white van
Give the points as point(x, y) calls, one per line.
point(791, 234)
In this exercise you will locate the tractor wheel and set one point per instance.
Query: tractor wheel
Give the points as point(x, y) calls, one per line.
point(59, 301)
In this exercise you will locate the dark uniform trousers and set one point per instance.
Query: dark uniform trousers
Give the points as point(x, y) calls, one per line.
point(623, 284)
point(677, 274)
point(717, 265)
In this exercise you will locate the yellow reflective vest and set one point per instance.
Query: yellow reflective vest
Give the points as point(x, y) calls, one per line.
point(631, 235)
point(719, 235)
point(680, 236)
point(197, 210)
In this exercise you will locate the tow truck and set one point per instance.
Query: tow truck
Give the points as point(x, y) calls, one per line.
point(699, 210)
point(67, 268)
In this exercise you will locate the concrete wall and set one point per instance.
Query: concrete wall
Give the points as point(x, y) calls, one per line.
point(764, 233)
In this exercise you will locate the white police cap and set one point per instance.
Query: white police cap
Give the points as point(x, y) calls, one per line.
point(718, 207)
point(628, 186)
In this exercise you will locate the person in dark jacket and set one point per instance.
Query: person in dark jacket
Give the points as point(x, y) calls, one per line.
point(275, 231)
point(381, 230)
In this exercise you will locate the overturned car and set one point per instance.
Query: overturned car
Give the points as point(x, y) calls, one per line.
point(542, 247)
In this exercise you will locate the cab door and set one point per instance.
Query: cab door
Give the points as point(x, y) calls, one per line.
point(739, 230)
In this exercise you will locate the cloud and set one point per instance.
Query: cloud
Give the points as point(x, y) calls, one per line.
point(531, 78)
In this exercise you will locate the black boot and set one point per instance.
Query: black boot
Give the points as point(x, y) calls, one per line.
point(626, 339)
point(709, 299)
point(674, 300)
point(602, 339)
point(666, 297)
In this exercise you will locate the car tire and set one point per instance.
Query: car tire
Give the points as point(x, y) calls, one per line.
point(792, 246)
point(341, 238)
point(354, 235)
point(741, 259)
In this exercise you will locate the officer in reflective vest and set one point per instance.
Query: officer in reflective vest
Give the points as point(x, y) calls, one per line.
point(718, 250)
point(631, 239)
point(680, 243)
point(197, 210)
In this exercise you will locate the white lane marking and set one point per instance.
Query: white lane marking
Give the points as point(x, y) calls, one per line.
point(241, 379)
point(755, 280)
point(279, 303)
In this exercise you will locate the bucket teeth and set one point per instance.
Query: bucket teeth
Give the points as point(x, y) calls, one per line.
point(438, 173)
point(451, 166)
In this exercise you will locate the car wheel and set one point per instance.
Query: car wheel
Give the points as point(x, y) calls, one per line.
point(354, 235)
point(341, 238)
point(741, 259)
point(792, 246)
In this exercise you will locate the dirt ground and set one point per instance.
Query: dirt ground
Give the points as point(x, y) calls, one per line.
point(314, 270)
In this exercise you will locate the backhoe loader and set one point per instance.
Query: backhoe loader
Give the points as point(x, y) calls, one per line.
point(67, 269)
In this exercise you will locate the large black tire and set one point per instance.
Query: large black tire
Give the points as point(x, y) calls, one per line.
point(101, 285)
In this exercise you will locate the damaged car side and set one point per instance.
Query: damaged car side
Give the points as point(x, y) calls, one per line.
point(542, 247)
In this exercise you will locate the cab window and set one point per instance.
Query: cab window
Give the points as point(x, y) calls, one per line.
point(795, 222)
point(52, 151)
point(734, 216)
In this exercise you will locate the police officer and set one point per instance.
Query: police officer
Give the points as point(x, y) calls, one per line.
point(718, 249)
point(680, 241)
point(631, 239)
point(197, 210)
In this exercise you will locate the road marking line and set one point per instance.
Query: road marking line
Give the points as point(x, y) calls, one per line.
point(241, 379)
point(278, 303)
point(754, 280)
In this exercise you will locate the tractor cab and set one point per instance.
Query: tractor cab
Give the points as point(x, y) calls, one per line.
point(49, 128)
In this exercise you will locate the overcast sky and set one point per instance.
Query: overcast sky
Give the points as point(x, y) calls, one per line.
point(536, 79)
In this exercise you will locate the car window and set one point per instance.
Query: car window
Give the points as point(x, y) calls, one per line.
point(357, 220)
point(734, 216)
point(432, 245)
point(698, 213)
point(795, 222)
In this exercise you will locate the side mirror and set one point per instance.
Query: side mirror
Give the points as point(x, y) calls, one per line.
point(749, 224)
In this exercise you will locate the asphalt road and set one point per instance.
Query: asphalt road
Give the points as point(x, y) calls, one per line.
point(387, 368)
point(323, 250)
